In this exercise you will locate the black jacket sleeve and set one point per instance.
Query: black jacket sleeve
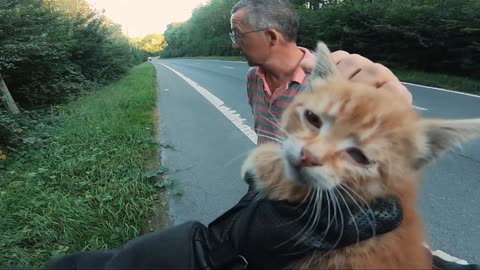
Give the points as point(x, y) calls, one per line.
point(179, 247)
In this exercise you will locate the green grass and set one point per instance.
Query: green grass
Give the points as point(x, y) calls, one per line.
point(450, 82)
point(84, 187)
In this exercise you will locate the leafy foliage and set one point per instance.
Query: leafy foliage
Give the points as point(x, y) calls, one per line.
point(53, 50)
point(440, 36)
point(152, 44)
point(27, 129)
point(206, 33)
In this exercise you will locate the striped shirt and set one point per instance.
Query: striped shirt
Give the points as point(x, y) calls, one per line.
point(267, 105)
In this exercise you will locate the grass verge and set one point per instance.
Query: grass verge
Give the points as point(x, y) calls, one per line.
point(83, 187)
point(450, 82)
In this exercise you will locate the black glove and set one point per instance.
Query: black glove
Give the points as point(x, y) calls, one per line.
point(265, 233)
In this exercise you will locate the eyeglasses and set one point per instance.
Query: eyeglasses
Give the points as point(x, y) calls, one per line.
point(238, 36)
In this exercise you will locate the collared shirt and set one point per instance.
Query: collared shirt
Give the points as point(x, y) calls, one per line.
point(267, 105)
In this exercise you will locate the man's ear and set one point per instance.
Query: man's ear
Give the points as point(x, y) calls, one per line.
point(442, 135)
point(272, 36)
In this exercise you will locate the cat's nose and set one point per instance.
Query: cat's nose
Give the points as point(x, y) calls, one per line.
point(308, 159)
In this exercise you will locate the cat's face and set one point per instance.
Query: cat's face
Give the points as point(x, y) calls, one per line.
point(352, 136)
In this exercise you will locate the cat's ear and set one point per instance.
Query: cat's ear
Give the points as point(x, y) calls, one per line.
point(324, 69)
point(441, 135)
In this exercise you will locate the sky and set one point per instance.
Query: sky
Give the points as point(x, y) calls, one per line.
point(142, 17)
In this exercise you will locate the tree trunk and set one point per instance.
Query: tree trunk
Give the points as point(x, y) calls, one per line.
point(7, 98)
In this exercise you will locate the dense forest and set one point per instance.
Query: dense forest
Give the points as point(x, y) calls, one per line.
point(52, 50)
point(427, 35)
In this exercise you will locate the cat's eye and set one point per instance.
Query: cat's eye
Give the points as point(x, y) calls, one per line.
point(313, 119)
point(357, 155)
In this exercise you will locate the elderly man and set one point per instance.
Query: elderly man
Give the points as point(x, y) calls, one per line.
point(265, 31)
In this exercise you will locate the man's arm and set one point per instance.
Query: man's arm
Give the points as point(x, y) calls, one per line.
point(250, 75)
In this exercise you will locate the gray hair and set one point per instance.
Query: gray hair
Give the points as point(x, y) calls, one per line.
point(277, 14)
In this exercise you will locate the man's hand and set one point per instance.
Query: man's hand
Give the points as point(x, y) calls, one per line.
point(358, 68)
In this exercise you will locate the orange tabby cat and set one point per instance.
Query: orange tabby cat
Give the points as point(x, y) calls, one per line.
point(356, 144)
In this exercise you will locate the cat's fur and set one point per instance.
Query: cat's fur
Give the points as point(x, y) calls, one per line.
point(396, 142)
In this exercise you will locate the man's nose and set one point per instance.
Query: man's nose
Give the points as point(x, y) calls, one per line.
point(235, 45)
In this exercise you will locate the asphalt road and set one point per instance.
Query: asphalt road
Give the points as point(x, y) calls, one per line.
point(209, 150)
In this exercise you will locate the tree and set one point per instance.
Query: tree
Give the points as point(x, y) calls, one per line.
point(152, 44)
point(52, 50)
point(7, 98)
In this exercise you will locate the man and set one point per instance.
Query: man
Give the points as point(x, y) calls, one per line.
point(265, 31)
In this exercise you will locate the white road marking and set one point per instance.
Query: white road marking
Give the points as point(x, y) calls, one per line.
point(449, 257)
point(445, 256)
point(236, 119)
point(228, 61)
point(420, 108)
point(166, 89)
point(407, 83)
point(442, 89)
point(228, 67)
point(231, 115)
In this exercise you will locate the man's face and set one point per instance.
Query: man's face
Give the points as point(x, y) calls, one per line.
point(253, 43)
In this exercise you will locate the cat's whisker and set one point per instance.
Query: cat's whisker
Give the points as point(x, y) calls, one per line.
point(300, 204)
point(308, 194)
point(306, 208)
point(330, 221)
point(312, 200)
point(269, 137)
point(337, 204)
point(275, 123)
point(370, 221)
point(334, 211)
point(328, 208)
point(236, 158)
point(360, 197)
point(320, 202)
point(317, 212)
point(269, 159)
point(312, 215)
point(311, 229)
point(266, 132)
point(353, 217)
